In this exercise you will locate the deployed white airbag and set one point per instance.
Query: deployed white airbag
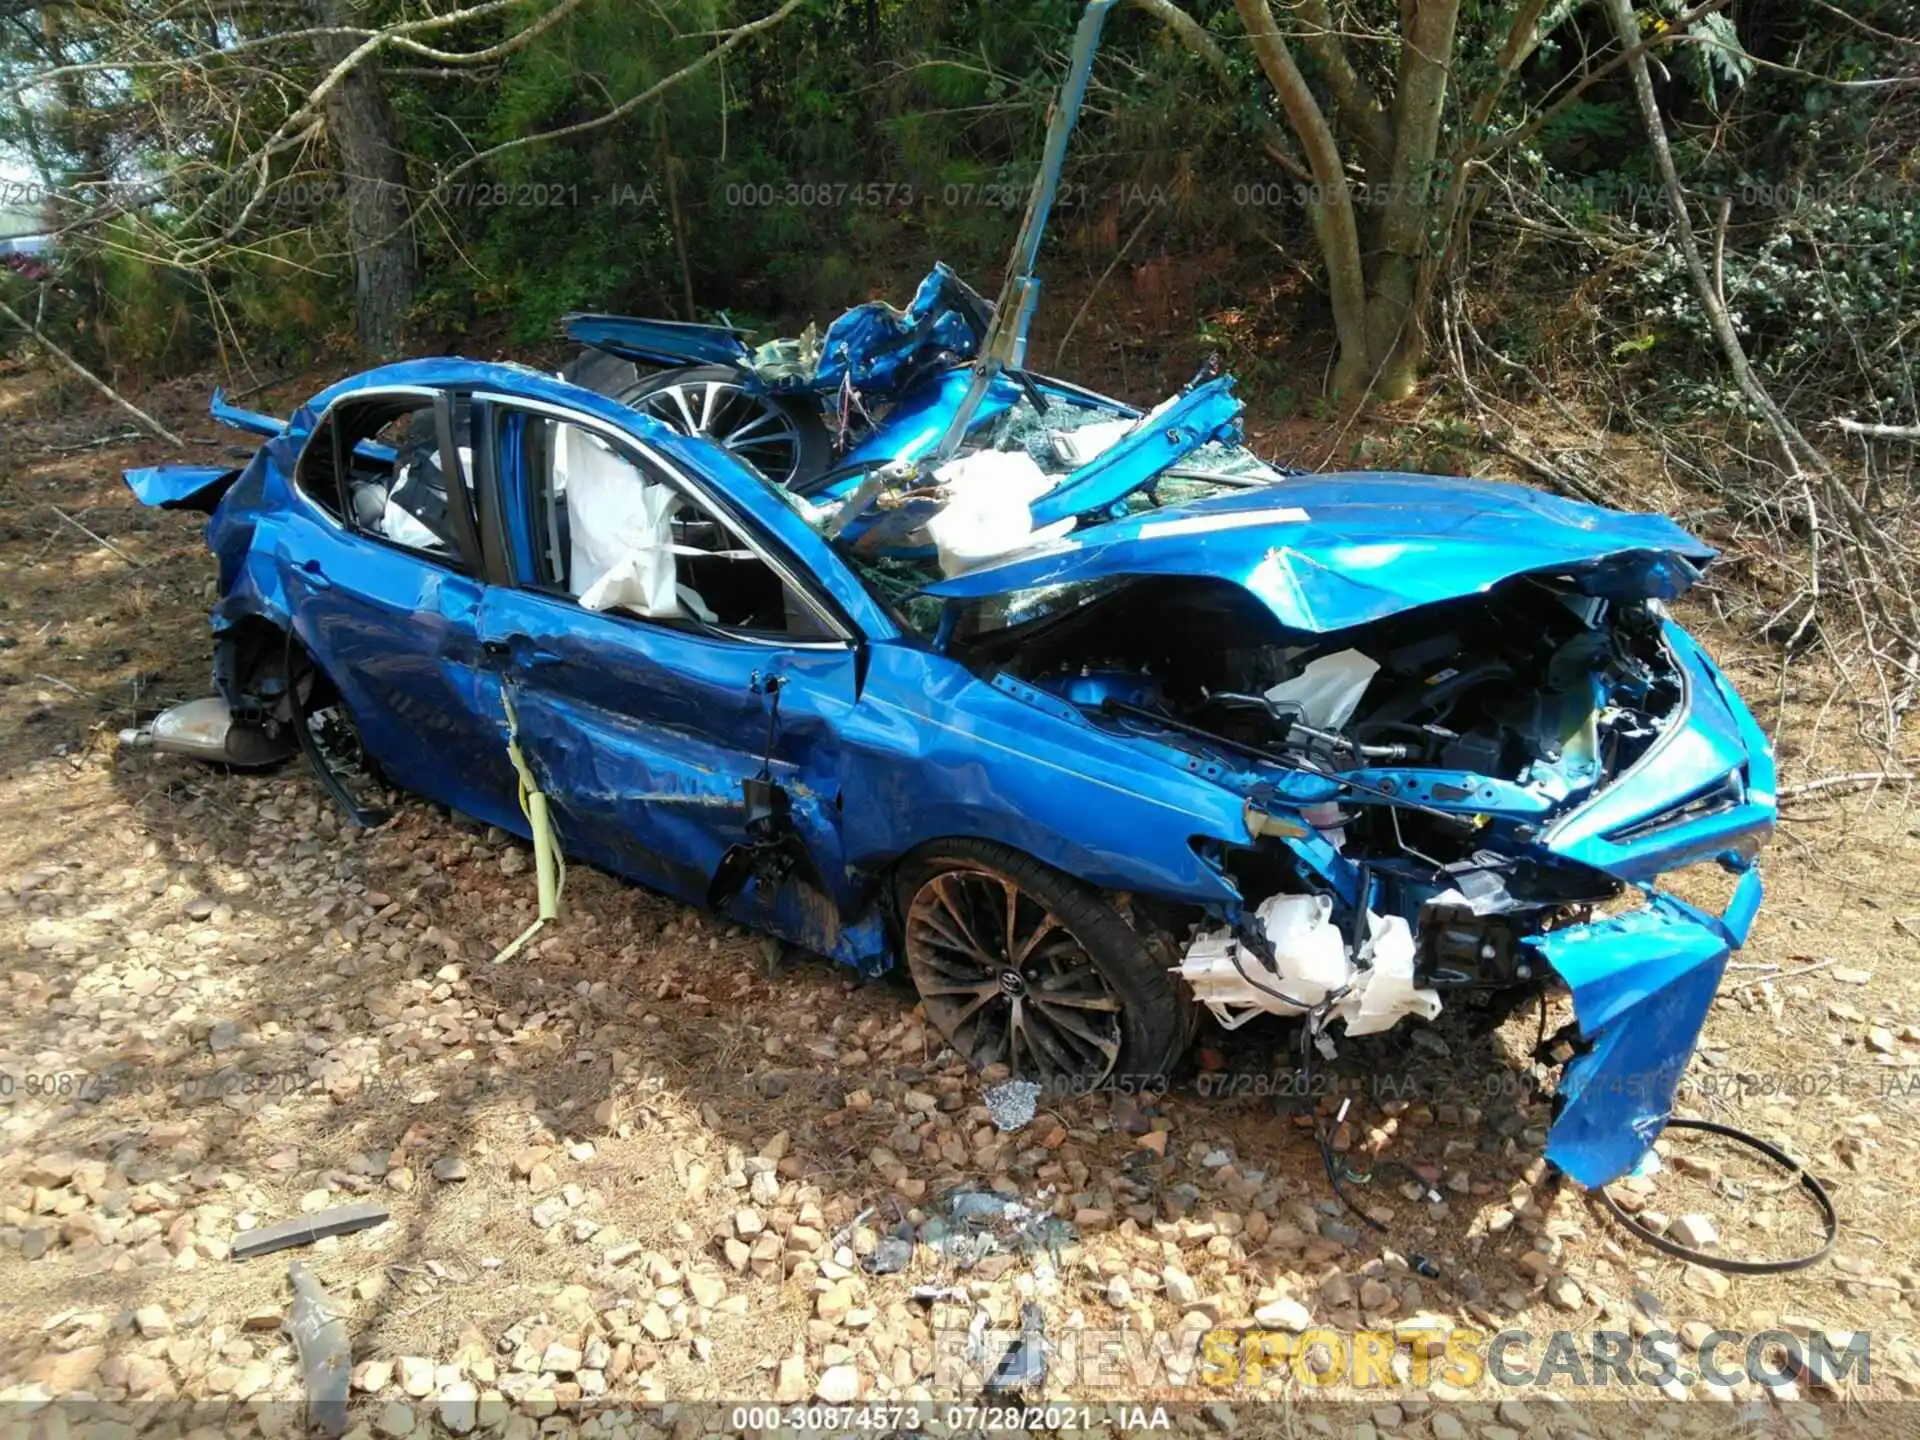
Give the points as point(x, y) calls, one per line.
point(401, 528)
point(621, 532)
point(987, 512)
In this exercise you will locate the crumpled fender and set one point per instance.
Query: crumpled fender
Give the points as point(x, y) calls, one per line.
point(1642, 984)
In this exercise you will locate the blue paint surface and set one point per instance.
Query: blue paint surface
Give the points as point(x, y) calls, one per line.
point(1325, 552)
point(1642, 983)
point(180, 487)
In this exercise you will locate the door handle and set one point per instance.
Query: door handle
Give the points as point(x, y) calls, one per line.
point(500, 647)
point(316, 578)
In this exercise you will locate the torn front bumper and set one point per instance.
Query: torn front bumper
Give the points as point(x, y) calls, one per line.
point(1641, 984)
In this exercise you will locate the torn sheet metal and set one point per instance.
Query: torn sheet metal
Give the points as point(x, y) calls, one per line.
point(181, 487)
point(1207, 414)
point(658, 342)
point(240, 418)
point(1707, 791)
point(1642, 984)
point(874, 346)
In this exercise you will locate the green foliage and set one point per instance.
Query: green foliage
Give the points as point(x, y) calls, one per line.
point(1819, 302)
point(1589, 133)
point(833, 159)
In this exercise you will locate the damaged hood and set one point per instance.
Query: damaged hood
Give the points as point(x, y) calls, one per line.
point(1326, 552)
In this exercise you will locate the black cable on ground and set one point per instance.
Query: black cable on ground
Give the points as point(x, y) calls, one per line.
point(1720, 1262)
point(1310, 1028)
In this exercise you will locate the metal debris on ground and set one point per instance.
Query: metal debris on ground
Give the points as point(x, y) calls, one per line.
point(326, 1359)
point(970, 1225)
point(1024, 1366)
point(305, 1229)
point(892, 1255)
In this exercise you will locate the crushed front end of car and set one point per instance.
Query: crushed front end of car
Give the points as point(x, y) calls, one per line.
point(1470, 740)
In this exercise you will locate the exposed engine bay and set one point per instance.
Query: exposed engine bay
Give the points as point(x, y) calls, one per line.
point(1385, 737)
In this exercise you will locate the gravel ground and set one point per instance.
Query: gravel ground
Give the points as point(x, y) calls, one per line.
point(655, 1161)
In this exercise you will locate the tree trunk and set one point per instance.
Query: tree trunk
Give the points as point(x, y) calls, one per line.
point(373, 177)
point(1330, 205)
point(1396, 336)
point(1379, 293)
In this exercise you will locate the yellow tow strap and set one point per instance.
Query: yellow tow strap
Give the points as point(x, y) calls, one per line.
point(550, 867)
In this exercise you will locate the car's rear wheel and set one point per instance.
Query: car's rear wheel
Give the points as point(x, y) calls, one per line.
point(1019, 965)
point(781, 438)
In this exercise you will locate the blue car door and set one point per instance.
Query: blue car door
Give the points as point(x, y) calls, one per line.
point(671, 675)
point(382, 574)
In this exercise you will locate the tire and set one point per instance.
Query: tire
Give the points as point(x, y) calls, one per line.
point(786, 442)
point(1076, 950)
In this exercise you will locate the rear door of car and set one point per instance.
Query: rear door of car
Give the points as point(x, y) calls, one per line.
point(385, 599)
point(656, 723)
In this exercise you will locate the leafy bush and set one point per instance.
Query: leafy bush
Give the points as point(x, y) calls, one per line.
point(1819, 300)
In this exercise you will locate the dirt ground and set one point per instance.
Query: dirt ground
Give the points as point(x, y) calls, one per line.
point(653, 1162)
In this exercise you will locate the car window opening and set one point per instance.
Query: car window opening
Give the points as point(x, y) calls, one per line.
point(619, 537)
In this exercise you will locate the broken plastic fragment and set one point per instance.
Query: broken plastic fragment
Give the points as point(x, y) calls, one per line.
point(1310, 964)
point(1024, 1366)
point(1328, 690)
point(892, 1255)
point(1387, 995)
point(972, 1224)
point(326, 1360)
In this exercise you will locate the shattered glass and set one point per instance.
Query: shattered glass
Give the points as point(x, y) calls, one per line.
point(1011, 1103)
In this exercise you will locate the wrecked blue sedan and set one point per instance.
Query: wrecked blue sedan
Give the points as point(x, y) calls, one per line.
point(1096, 725)
point(882, 643)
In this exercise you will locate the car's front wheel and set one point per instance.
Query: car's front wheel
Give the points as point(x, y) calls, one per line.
point(1020, 965)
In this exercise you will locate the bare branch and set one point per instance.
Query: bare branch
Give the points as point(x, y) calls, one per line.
point(1331, 205)
point(87, 375)
point(1357, 110)
point(493, 52)
point(1878, 432)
